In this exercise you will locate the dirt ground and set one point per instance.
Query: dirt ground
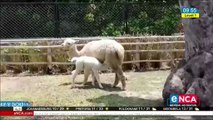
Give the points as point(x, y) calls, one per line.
point(143, 88)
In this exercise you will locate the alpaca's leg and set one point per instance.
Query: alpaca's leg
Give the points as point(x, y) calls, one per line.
point(73, 78)
point(116, 80)
point(93, 77)
point(86, 75)
point(120, 76)
point(97, 78)
point(116, 65)
point(114, 68)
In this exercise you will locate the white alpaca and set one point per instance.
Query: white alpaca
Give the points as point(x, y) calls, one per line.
point(106, 51)
point(88, 65)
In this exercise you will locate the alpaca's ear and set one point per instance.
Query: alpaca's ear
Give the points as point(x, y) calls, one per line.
point(73, 60)
point(76, 41)
point(70, 60)
point(68, 43)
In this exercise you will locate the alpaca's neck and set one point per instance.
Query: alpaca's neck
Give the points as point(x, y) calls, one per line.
point(73, 52)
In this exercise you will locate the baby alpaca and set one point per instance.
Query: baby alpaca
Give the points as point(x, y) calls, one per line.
point(89, 65)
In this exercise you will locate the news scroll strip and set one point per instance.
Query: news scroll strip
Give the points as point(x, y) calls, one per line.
point(123, 113)
point(105, 111)
point(175, 108)
point(138, 108)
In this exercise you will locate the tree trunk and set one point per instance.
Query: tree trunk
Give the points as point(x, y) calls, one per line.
point(194, 75)
point(198, 32)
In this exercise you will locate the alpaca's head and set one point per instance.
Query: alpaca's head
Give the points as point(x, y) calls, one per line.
point(74, 59)
point(68, 42)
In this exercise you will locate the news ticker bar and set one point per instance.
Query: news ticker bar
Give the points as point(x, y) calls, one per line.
point(106, 113)
point(174, 108)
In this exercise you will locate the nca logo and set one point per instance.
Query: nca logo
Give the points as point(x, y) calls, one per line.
point(187, 99)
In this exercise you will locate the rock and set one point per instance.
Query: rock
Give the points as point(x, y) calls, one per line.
point(193, 77)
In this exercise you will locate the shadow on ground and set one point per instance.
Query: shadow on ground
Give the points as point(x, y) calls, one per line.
point(107, 87)
point(117, 100)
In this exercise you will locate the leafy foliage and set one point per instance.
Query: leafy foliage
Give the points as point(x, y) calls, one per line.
point(89, 18)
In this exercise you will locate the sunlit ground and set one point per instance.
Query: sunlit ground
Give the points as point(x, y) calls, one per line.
point(143, 89)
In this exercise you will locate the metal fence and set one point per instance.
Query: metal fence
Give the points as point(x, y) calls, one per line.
point(29, 20)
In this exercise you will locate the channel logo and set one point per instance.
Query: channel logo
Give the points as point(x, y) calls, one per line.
point(183, 100)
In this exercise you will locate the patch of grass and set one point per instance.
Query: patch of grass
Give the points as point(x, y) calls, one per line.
point(142, 89)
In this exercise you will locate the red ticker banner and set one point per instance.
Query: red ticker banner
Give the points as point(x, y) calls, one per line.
point(16, 113)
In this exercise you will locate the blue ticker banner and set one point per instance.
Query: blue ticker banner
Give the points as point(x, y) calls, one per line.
point(15, 104)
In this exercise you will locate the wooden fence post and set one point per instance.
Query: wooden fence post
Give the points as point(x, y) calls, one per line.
point(165, 55)
point(137, 55)
point(49, 56)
